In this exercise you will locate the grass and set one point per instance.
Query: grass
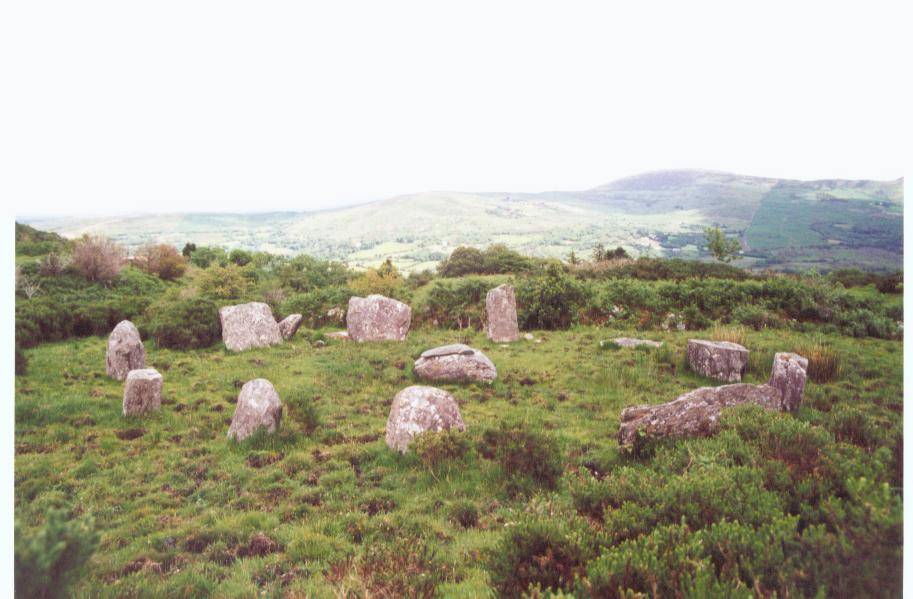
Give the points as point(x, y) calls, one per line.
point(178, 507)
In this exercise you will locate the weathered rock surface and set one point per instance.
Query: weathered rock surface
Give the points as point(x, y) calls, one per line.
point(501, 311)
point(720, 360)
point(288, 326)
point(377, 318)
point(417, 410)
point(258, 407)
point(338, 335)
point(246, 326)
point(142, 392)
point(695, 413)
point(457, 363)
point(125, 351)
point(788, 374)
point(336, 314)
point(629, 342)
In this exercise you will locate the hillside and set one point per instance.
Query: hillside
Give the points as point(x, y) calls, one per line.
point(783, 224)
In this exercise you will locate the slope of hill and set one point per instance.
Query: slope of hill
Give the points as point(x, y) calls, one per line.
point(783, 224)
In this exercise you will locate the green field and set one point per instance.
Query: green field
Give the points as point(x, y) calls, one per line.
point(176, 504)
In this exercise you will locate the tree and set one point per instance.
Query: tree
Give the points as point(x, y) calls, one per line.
point(462, 261)
point(189, 248)
point(599, 253)
point(573, 259)
point(98, 258)
point(161, 260)
point(619, 253)
point(240, 257)
point(723, 248)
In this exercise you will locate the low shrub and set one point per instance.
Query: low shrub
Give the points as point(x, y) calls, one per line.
point(465, 513)
point(50, 559)
point(528, 458)
point(314, 305)
point(97, 258)
point(457, 304)
point(184, 323)
point(755, 317)
point(161, 260)
point(550, 301)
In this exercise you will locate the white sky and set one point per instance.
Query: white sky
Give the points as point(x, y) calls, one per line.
point(248, 106)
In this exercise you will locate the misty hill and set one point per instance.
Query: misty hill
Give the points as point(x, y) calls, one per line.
point(782, 224)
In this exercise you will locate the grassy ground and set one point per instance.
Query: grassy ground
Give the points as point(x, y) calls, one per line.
point(177, 504)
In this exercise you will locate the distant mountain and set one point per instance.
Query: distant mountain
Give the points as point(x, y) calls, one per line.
point(783, 224)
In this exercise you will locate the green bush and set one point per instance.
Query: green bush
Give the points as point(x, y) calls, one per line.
point(528, 458)
point(550, 301)
point(755, 317)
point(495, 259)
point(437, 449)
point(184, 324)
point(314, 305)
point(455, 304)
point(305, 273)
point(536, 552)
point(48, 561)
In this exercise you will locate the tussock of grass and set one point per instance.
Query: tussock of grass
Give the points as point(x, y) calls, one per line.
point(731, 333)
point(824, 362)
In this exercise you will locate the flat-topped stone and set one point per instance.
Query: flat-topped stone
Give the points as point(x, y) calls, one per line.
point(377, 318)
point(455, 363)
point(629, 342)
point(419, 409)
point(125, 351)
point(246, 326)
point(722, 360)
point(142, 392)
point(696, 413)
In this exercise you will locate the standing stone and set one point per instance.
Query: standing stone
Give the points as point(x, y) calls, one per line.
point(501, 310)
point(258, 407)
point(377, 318)
point(417, 410)
point(457, 363)
point(142, 392)
point(288, 326)
point(718, 359)
point(125, 351)
point(694, 414)
point(249, 325)
point(788, 375)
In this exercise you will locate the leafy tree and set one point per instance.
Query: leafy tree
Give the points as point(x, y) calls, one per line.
point(223, 283)
point(306, 273)
point(384, 280)
point(572, 258)
point(189, 248)
point(462, 261)
point(723, 248)
point(204, 256)
point(550, 301)
point(240, 257)
point(48, 561)
point(161, 260)
point(619, 253)
point(599, 253)
point(98, 258)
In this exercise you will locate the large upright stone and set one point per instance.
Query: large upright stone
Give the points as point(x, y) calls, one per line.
point(377, 318)
point(258, 407)
point(246, 326)
point(142, 392)
point(720, 360)
point(125, 351)
point(694, 414)
point(417, 410)
point(288, 326)
point(788, 375)
point(456, 363)
point(501, 312)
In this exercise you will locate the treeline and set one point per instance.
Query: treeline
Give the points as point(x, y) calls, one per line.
point(86, 286)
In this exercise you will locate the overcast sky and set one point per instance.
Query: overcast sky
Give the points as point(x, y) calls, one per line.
point(248, 106)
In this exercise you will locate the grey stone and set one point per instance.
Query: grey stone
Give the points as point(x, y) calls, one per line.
point(696, 413)
point(377, 318)
point(501, 312)
point(125, 351)
point(142, 392)
point(629, 342)
point(247, 326)
point(258, 407)
point(417, 410)
point(288, 326)
point(720, 360)
point(788, 374)
point(456, 363)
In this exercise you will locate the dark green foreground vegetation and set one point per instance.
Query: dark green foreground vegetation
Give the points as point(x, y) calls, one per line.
point(535, 496)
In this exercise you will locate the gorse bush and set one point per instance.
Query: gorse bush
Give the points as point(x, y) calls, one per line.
point(528, 458)
point(550, 301)
point(315, 305)
point(456, 304)
point(495, 259)
point(48, 561)
point(224, 283)
point(183, 323)
point(385, 280)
